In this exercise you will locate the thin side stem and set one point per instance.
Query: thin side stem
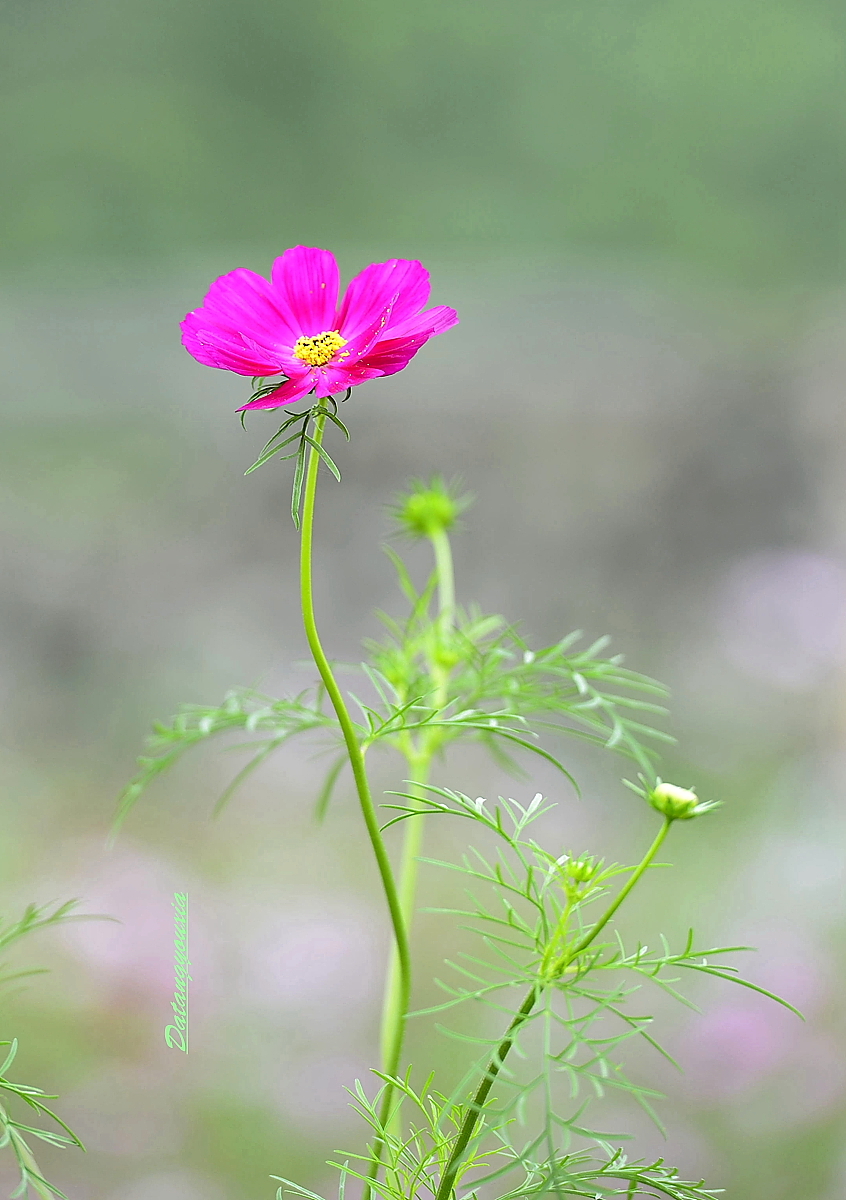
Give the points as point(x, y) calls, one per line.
point(392, 1013)
point(446, 575)
point(395, 1004)
point(354, 751)
point(27, 1160)
point(439, 671)
point(551, 953)
point(476, 1105)
point(419, 759)
point(447, 1184)
point(624, 891)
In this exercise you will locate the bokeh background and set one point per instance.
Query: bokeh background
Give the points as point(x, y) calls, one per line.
point(639, 209)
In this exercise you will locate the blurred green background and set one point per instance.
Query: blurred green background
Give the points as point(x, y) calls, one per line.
point(638, 209)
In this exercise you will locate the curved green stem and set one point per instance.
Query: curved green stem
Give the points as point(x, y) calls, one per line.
point(445, 1188)
point(354, 750)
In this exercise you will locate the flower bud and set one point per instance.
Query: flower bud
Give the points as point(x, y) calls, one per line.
point(581, 870)
point(677, 803)
point(446, 658)
point(429, 509)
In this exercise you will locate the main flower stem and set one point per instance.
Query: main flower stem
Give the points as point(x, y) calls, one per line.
point(447, 1184)
point(393, 1049)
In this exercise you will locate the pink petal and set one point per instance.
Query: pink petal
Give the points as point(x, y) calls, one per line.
point(216, 347)
point(368, 335)
point(337, 378)
point(247, 302)
point(401, 280)
point(434, 320)
point(306, 283)
point(244, 303)
point(393, 354)
point(287, 393)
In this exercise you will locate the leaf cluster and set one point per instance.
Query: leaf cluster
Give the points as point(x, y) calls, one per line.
point(242, 709)
point(530, 910)
point(34, 917)
point(301, 439)
point(415, 1159)
point(496, 690)
point(14, 1133)
point(491, 672)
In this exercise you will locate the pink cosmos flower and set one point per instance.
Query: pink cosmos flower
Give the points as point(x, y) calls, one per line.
point(294, 326)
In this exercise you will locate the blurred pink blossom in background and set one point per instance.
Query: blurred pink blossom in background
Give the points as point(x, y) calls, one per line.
point(781, 617)
point(318, 957)
point(135, 949)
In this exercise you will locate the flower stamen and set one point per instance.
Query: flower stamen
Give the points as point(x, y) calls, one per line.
point(317, 351)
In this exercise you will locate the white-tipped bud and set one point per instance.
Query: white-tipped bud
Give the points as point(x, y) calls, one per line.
point(677, 803)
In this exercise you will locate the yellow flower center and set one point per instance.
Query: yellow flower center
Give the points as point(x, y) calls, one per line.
point(319, 350)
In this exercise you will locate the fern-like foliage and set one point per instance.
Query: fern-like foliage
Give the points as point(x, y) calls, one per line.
point(16, 1135)
point(494, 684)
point(526, 910)
point(242, 709)
point(415, 1159)
point(34, 917)
point(561, 982)
point(491, 671)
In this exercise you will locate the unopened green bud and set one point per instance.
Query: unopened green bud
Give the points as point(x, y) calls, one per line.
point(446, 658)
point(429, 509)
point(677, 803)
point(580, 870)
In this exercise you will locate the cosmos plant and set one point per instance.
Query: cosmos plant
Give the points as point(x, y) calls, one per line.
point(552, 965)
